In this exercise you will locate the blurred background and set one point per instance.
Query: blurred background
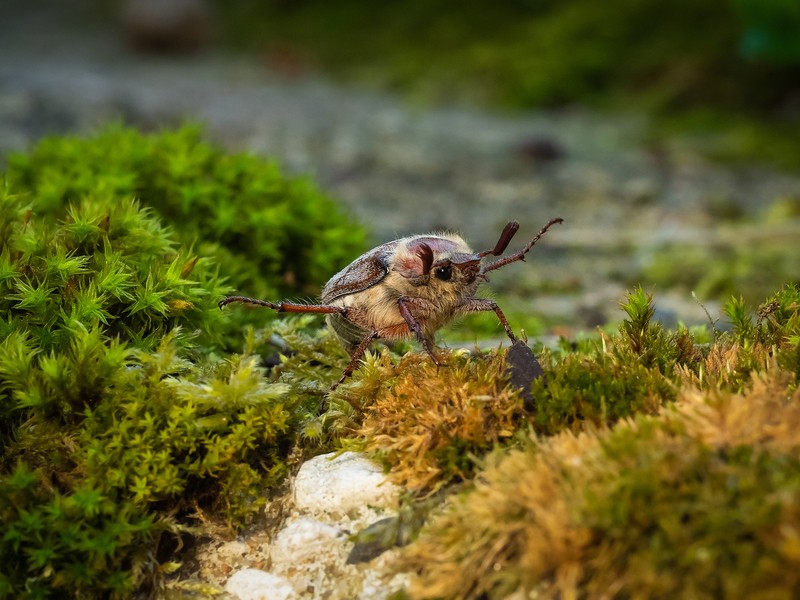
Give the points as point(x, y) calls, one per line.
point(666, 134)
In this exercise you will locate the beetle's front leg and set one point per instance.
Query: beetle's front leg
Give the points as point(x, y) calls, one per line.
point(472, 305)
point(406, 304)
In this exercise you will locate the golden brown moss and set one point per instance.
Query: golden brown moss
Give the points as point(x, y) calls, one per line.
point(702, 501)
point(430, 423)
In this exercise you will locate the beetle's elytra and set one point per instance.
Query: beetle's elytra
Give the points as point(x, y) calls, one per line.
point(413, 285)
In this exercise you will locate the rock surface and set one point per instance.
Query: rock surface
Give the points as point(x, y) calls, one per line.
point(344, 484)
point(254, 584)
point(331, 497)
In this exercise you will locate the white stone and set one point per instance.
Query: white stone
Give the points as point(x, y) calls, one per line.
point(310, 555)
point(337, 485)
point(306, 540)
point(254, 584)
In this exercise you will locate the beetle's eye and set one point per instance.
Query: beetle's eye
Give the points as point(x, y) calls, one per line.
point(444, 273)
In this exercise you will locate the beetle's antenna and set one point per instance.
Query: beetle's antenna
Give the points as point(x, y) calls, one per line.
point(425, 254)
point(505, 237)
point(521, 254)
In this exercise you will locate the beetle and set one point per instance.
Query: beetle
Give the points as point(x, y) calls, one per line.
point(410, 286)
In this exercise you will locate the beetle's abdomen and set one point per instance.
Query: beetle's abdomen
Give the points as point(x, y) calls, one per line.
point(348, 332)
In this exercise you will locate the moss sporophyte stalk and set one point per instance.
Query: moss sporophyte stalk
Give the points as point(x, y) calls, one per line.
point(136, 418)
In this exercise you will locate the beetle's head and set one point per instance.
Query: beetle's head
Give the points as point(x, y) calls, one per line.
point(448, 258)
point(458, 268)
point(442, 260)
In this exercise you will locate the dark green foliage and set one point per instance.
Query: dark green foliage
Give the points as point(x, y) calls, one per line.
point(270, 235)
point(770, 30)
point(542, 53)
point(721, 74)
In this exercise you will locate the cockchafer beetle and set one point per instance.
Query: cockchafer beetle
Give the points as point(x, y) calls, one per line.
point(413, 285)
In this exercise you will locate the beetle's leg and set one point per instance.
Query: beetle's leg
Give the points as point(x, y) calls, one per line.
point(521, 254)
point(355, 357)
point(286, 306)
point(404, 304)
point(471, 305)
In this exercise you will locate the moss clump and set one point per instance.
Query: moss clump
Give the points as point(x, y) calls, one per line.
point(698, 498)
point(429, 424)
point(699, 502)
point(78, 295)
point(614, 377)
point(98, 508)
point(270, 234)
point(121, 430)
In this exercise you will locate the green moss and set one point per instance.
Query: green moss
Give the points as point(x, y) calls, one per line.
point(83, 543)
point(430, 425)
point(666, 470)
point(270, 235)
point(613, 377)
point(158, 445)
point(121, 429)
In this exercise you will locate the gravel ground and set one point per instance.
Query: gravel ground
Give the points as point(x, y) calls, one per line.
point(400, 169)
